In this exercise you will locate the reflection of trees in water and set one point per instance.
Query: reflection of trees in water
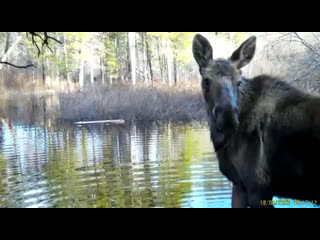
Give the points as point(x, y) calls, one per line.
point(149, 182)
point(20, 150)
point(29, 108)
point(1, 135)
point(173, 172)
point(3, 172)
point(131, 182)
point(103, 166)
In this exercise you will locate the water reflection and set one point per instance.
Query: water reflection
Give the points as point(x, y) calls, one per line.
point(29, 108)
point(110, 166)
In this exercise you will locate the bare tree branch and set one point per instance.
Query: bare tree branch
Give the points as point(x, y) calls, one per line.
point(306, 44)
point(49, 37)
point(45, 40)
point(7, 63)
point(35, 43)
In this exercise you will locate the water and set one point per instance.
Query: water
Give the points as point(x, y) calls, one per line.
point(156, 166)
point(110, 166)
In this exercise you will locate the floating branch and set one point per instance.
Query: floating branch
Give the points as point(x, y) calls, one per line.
point(100, 122)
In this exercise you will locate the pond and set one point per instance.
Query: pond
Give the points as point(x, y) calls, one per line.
point(110, 166)
point(47, 165)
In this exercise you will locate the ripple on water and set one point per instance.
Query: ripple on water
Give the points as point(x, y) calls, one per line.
point(109, 166)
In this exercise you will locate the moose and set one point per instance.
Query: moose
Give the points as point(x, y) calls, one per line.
point(265, 132)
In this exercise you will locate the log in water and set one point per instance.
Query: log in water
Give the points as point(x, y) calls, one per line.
point(101, 122)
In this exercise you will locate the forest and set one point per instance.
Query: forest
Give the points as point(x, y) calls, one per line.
point(144, 76)
point(62, 96)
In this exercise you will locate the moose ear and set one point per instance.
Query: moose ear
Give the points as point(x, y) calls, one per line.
point(202, 50)
point(244, 54)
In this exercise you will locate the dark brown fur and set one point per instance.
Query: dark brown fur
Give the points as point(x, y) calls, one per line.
point(273, 151)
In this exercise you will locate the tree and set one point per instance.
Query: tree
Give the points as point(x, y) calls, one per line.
point(81, 67)
point(132, 51)
point(147, 58)
point(13, 38)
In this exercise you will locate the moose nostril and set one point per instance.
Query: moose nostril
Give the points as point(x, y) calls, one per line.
point(217, 110)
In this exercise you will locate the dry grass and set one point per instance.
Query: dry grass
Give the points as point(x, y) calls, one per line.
point(140, 104)
point(284, 59)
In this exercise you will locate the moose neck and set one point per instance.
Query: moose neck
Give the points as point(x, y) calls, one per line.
point(258, 98)
point(249, 92)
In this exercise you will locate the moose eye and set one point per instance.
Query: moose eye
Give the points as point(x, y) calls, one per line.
point(206, 83)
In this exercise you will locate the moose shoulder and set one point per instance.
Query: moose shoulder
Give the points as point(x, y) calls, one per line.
point(266, 133)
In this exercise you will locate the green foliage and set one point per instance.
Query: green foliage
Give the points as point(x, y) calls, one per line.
point(110, 42)
point(240, 37)
point(181, 43)
point(61, 62)
point(111, 49)
point(3, 36)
